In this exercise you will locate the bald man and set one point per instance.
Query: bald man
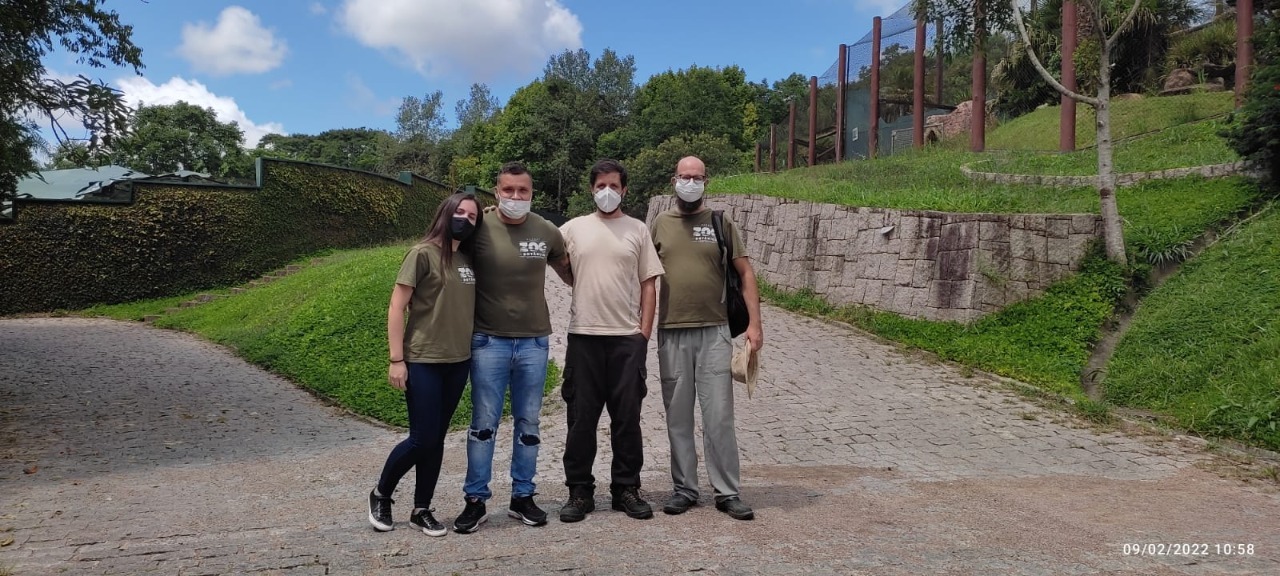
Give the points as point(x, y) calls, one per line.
point(695, 346)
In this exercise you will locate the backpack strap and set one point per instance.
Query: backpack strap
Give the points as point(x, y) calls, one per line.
point(726, 249)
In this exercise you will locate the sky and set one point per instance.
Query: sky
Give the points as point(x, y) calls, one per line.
point(306, 66)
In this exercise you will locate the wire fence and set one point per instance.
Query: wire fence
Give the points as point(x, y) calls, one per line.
point(789, 147)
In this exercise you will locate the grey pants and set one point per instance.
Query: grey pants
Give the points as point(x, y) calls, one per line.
point(694, 363)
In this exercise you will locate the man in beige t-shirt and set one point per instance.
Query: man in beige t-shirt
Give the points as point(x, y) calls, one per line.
point(615, 268)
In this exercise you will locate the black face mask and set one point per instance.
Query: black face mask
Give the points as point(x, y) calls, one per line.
point(461, 228)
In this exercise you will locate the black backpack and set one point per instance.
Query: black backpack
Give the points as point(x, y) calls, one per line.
point(735, 304)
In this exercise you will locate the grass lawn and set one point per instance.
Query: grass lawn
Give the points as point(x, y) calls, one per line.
point(1204, 348)
point(323, 327)
point(1195, 144)
point(1038, 130)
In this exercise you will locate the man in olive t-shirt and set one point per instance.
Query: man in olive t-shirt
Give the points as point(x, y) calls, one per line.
point(695, 346)
point(509, 348)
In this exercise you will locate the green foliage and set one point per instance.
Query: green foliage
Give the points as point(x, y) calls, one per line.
point(1214, 46)
point(324, 327)
point(356, 148)
point(650, 172)
point(180, 136)
point(1167, 216)
point(696, 100)
point(1205, 346)
point(1256, 134)
point(33, 30)
point(174, 238)
point(1038, 130)
point(1043, 341)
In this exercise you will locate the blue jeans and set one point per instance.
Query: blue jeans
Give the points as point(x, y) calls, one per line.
point(498, 364)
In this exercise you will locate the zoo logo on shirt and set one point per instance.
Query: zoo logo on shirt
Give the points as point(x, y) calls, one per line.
point(704, 234)
point(468, 277)
point(535, 249)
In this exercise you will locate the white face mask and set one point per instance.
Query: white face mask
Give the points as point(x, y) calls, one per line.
point(514, 209)
point(607, 200)
point(689, 190)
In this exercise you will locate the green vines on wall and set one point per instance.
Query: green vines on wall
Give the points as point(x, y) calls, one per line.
point(177, 238)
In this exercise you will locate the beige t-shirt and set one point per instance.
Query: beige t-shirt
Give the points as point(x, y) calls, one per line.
point(511, 270)
point(610, 258)
point(692, 294)
point(442, 308)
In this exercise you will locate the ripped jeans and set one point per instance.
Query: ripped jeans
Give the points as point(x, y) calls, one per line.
point(497, 364)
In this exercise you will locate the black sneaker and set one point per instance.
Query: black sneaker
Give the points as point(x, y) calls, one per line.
point(471, 517)
point(678, 504)
point(581, 502)
point(524, 510)
point(380, 512)
point(735, 508)
point(628, 500)
point(426, 521)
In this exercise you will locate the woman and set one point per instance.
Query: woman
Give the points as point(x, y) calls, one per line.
point(430, 355)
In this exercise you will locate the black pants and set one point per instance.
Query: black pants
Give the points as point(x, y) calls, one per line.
point(604, 372)
point(432, 395)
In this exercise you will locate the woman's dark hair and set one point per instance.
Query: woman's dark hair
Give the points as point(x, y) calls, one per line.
point(440, 229)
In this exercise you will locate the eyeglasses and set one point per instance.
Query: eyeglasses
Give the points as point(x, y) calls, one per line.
point(698, 179)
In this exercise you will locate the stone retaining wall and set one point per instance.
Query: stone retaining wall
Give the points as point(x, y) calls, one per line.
point(922, 264)
point(1211, 171)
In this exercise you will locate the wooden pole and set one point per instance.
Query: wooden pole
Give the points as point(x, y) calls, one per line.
point(917, 90)
point(1244, 47)
point(813, 120)
point(940, 65)
point(1067, 115)
point(978, 114)
point(842, 69)
point(757, 156)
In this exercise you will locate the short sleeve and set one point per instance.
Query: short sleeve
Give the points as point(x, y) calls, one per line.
point(648, 263)
point(413, 268)
point(557, 250)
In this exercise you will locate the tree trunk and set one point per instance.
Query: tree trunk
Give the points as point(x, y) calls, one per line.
point(978, 113)
point(1112, 229)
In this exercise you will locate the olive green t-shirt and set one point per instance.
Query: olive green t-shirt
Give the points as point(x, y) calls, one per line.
point(692, 290)
point(511, 273)
point(442, 307)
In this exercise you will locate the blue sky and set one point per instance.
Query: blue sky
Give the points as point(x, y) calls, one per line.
point(305, 66)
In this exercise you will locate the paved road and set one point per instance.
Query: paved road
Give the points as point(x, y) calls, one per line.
point(125, 449)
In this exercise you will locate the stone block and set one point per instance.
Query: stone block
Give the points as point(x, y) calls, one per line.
point(993, 230)
point(1024, 270)
point(1084, 224)
point(959, 236)
point(931, 227)
point(1059, 252)
point(1058, 227)
point(1078, 246)
point(908, 227)
point(902, 300)
point(954, 265)
point(905, 273)
point(924, 272)
point(931, 248)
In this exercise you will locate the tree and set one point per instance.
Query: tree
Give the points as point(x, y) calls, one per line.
point(685, 102)
point(28, 97)
point(180, 136)
point(419, 131)
point(1106, 32)
point(651, 170)
point(348, 147)
point(545, 126)
point(1255, 135)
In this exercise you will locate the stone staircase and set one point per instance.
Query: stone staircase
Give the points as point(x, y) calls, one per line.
point(204, 297)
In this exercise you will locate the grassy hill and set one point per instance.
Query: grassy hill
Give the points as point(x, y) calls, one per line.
point(324, 327)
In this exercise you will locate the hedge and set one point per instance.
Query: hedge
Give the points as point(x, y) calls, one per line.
point(177, 237)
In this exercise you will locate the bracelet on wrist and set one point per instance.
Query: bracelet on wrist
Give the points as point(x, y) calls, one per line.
point(396, 361)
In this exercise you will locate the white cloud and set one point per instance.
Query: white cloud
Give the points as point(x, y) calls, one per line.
point(318, 9)
point(236, 44)
point(363, 98)
point(138, 90)
point(479, 39)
